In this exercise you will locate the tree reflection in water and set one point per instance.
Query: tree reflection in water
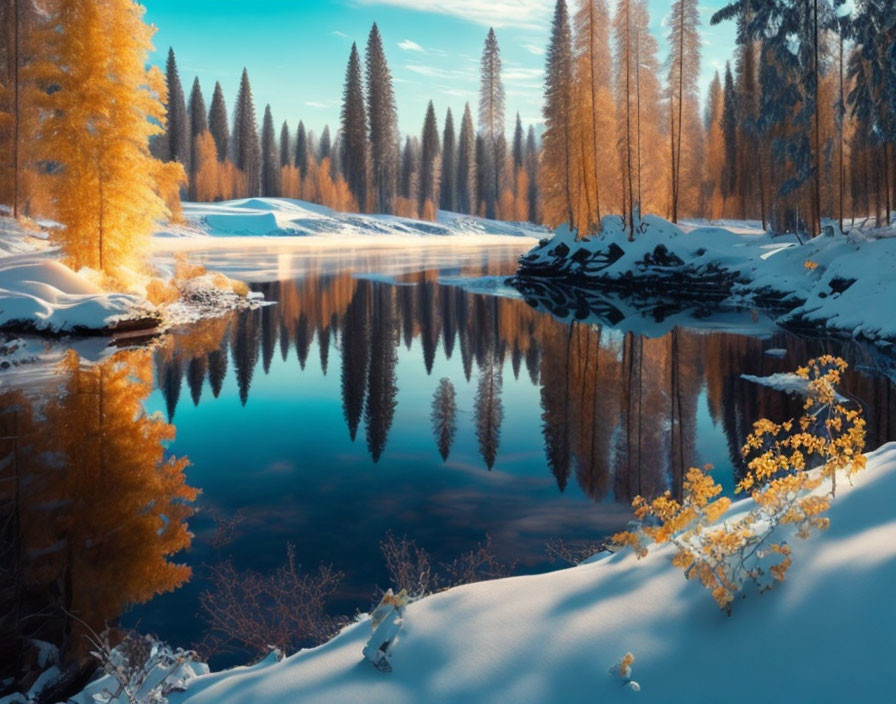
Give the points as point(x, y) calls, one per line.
point(92, 507)
point(619, 411)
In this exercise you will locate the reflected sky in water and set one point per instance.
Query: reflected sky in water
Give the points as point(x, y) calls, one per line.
point(312, 420)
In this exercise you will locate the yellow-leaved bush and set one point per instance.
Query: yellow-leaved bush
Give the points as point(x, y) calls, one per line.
point(787, 463)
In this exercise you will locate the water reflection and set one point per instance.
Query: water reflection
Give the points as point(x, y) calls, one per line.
point(618, 411)
point(91, 504)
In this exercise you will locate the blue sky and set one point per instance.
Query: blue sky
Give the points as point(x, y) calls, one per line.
point(296, 50)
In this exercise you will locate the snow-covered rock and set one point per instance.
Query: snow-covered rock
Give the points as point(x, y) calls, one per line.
point(838, 284)
point(826, 634)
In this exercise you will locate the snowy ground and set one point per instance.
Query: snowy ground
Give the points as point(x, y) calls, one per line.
point(39, 293)
point(826, 634)
point(842, 284)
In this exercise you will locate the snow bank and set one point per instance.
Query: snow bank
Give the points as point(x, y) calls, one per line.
point(316, 224)
point(835, 283)
point(824, 635)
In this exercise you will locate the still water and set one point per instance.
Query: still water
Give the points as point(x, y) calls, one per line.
point(419, 400)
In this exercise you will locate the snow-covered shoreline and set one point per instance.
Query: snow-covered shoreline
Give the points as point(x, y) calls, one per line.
point(554, 637)
point(837, 284)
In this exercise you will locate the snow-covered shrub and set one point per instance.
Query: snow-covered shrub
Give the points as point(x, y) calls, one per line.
point(140, 670)
point(727, 554)
point(623, 671)
point(573, 553)
point(386, 622)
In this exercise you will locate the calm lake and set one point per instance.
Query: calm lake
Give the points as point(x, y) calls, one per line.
point(424, 399)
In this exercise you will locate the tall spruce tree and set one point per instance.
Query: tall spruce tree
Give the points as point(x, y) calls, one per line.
point(302, 150)
point(270, 159)
point(429, 155)
point(325, 146)
point(531, 159)
point(466, 164)
point(491, 123)
point(729, 131)
point(285, 146)
point(198, 126)
point(246, 148)
point(556, 182)
point(383, 116)
point(684, 73)
point(518, 153)
point(409, 179)
point(354, 131)
point(217, 123)
point(448, 180)
point(177, 125)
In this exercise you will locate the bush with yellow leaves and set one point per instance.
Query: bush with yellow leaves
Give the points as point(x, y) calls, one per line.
point(727, 553)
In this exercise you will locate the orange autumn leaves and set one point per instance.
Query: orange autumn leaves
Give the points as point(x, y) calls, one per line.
point(788, 462)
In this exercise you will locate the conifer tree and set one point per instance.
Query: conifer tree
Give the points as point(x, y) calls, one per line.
point(532, 174)
point(448, 180)
point(444, 416)
point(354, 131)
point(246, 148)
point(270, 160)
point(96, 126)
point(383, 117)
point(178, 126)
point(518, 153)
point(198, 126)
point(555, 176)
point(302, 151)
point(217, 123)
point(324, 148)
point(715, 153)
point(466, 164)
point(285, 150)
point(429, 156)
point(593, 114)
point(684, 72)
point(491, 123)
point(729, 132)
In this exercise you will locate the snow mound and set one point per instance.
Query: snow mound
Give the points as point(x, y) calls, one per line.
point(43, 294)
point(838, 284)
point(279, 217)
point(552, 637)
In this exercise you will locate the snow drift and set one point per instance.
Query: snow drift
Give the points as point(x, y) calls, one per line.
point(834, 283)
point(826, 634)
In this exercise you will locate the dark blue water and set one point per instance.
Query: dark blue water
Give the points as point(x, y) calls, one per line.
point(311, 422)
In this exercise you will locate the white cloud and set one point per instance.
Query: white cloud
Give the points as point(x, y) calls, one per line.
point(316, 104)
point(529, 14)
point(536, 49)
point(408, 45)
point(337, 33)
point(514, 75)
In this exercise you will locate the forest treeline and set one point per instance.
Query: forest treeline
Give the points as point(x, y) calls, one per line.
point(800, 126)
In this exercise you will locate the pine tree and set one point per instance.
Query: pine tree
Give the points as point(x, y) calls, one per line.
point(198, 126)
point(178, 126)
point(246, 148)
point(729, 131)
point(285, 147)
point(96, 126)
point(270, 161)
point(532, 174)
point(518, 153)
point(444, 416)
point(466, 164)
point(448, 180)
point(593, 114)
point(354, 131)
point(383, 117)
point(217, 123)
point(325, 147)
point(684, 72)
point(429, 156)
point(491, 123)
point(409, 180)
point(302, 156)
point(715, 154)
point(555, 177)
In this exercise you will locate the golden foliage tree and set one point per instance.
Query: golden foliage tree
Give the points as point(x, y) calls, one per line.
point(108, 190)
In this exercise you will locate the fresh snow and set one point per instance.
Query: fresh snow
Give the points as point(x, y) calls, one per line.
point(826, 634)
point(315, 225)
point(847, 291)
